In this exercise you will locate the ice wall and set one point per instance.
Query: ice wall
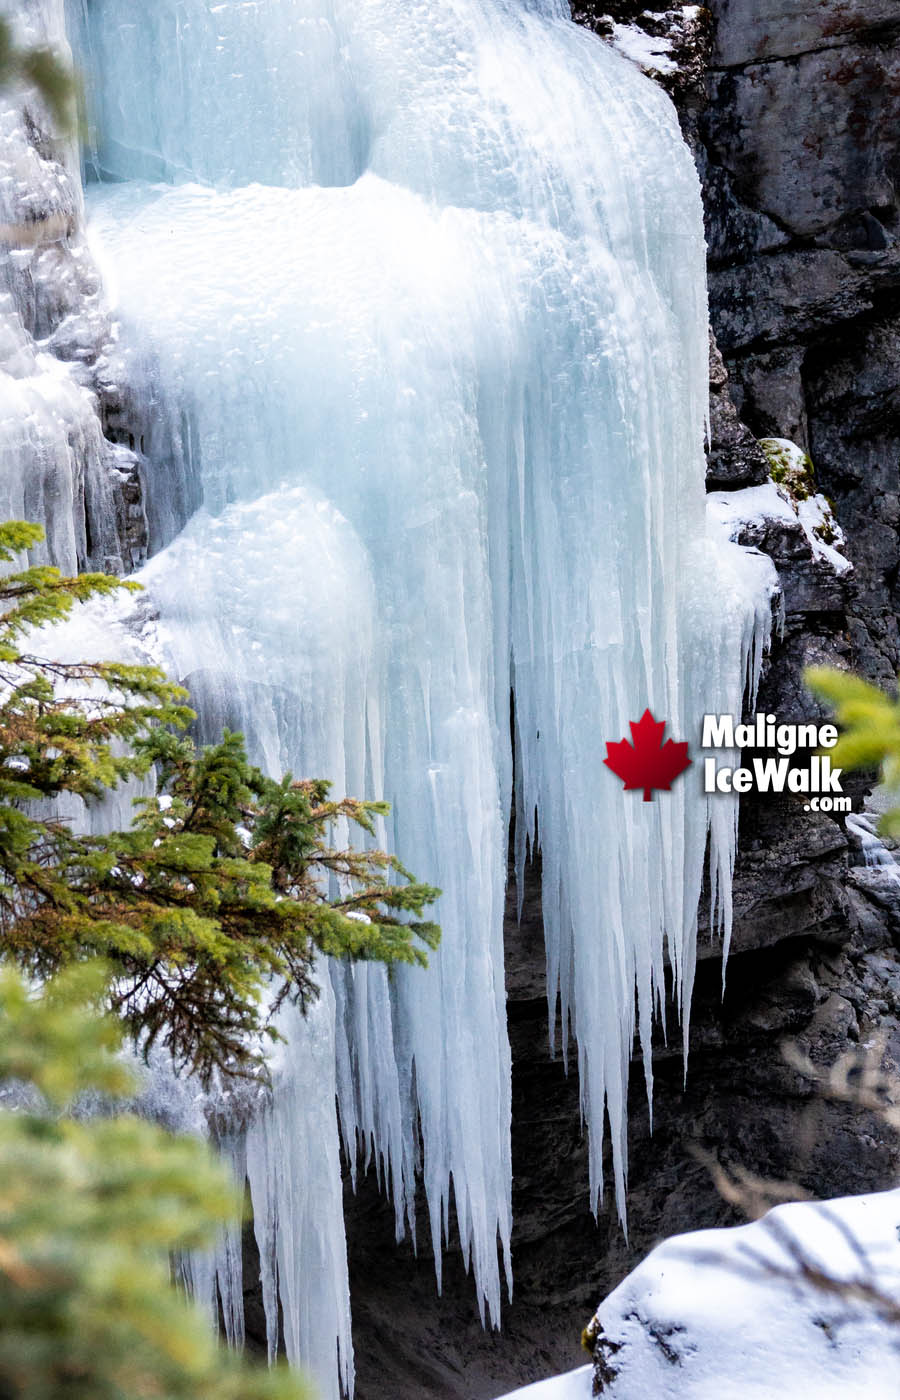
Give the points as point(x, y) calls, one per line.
point(421, 293)
point(56, 465)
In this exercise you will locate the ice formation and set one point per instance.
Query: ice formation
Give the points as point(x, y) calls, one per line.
point(865, 830)
point(56, 466)
point(419, 296)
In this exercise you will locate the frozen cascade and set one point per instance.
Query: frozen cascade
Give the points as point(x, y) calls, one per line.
point(55, 465)
point(424, 304)
point(864, 828)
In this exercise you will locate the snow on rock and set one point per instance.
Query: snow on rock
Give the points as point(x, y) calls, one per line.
point(724, 1313)
point(574, 1385)
point(863, 829)
point(788, 500)
point(879, 877)
point(793, 470)
point(823, 532)
point(670, 43)
point(753, 505)
point(652, 54)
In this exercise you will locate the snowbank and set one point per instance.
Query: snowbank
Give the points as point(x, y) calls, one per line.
point(574, 1385)
point(755, 506)
point(734, 1315)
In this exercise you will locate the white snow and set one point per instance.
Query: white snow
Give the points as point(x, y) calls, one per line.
point(736, 1328)
point(754, 505)
point(724, 1315)
point(813, 511)
point(815, 515)
point(424, 306)
point(574, 1385)
point(644, 49)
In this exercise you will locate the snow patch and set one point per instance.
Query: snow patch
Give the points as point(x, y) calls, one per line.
point(753, 505)
point(724, 1314)
point(823, 532)
point(777, 501)
point(649, 52)
point(574, 1385)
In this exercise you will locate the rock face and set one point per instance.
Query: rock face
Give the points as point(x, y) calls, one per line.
point(56, 382)
point(734, 458)
point(801, 144)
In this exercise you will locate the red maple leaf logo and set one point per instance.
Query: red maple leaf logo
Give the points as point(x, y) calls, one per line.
point(648, 763)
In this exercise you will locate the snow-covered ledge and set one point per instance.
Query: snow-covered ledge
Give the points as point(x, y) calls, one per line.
point(737, 1314)
point(788, 498)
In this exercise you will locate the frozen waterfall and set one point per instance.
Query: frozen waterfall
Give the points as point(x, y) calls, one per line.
point(417, 310)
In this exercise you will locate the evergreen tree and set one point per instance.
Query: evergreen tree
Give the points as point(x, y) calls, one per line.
point(211, 908)
point(870, 725)
point(90, 1210)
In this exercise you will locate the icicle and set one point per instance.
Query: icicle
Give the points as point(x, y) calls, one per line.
point(294, 1169)
point(373, 1110)
point(213, 1277)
